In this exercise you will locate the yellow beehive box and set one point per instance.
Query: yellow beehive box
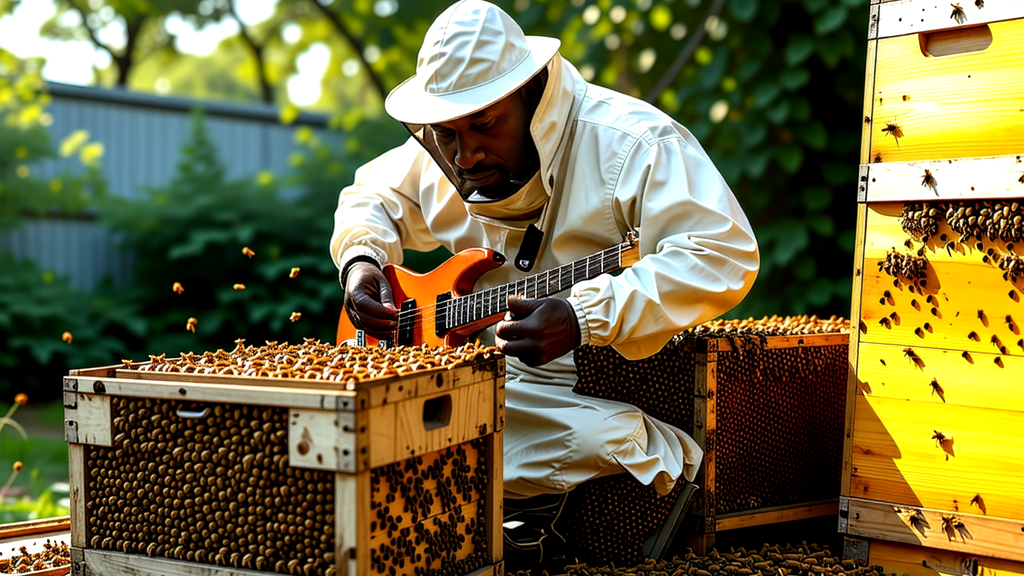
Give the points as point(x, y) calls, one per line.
point(382, 472)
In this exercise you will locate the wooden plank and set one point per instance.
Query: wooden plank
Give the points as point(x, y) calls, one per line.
point(855, 314)
point(981, 535)
point(349, 513)
point(916, 16)
point(795, 341)
point(494, 496)
point(919, 561)
point(93, 420)
point(78, 479)
point(954, 179)
point(705, 387)
point(170, 390)
point(321, 439)
point(98, 372)
point(775, 515)
point(106, 563)
point(895, 458)
point(869, 91)
point(964, 106)
point(30, 527)
point(955, 280)
point(947, 378)
point(429, 423)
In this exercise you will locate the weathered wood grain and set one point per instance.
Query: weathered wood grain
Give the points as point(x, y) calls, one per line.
point(954, 179)
point(918, 561)
point(915, 16)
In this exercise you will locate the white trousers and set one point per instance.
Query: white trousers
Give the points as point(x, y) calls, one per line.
point(555, 439)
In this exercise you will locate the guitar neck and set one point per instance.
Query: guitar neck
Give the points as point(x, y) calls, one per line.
point(477, 306)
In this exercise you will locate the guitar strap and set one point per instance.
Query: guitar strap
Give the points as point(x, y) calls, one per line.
point(533, 238)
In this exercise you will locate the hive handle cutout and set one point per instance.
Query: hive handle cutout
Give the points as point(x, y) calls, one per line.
point(956, 41)
point(437, 412)
point(195, 414)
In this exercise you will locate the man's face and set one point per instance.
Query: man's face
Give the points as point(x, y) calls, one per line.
point(491, 151)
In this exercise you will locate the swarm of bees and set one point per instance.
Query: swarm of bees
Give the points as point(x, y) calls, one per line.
point(904, 267)
point(994, 219)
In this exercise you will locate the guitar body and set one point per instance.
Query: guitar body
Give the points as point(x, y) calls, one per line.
point(456, 275)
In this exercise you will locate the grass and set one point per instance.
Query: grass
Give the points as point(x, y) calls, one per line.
point(40, 489)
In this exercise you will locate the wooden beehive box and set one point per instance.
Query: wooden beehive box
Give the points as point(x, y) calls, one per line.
point(202, 474)
point(36, 547)
point(767, 410)
point(934, 460)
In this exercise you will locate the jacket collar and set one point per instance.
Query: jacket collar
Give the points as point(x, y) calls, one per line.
point(549, 127)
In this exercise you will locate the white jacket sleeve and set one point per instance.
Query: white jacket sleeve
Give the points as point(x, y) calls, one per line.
point(699, 255)
point(379, 214)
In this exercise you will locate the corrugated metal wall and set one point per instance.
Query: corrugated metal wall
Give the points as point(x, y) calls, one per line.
point(142, 136)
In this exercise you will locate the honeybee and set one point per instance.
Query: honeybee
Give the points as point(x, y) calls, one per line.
point(884, 321)
point(295, 316)
point(979, 3)
point(66, 337)
point(998, 361)
point(958, 14)
point(967, 356)
point(248, 252)
point(178, 288)
point(893, 129)
point(191, 325)
point(919, 332)
point(878, 158)
point(909, 244)
point(928, 181)
point(909, 353)
point(936, 387)
point(294, 272)
point(239, 286)
point(979, 502)
point(974, 336)
point(939, 438)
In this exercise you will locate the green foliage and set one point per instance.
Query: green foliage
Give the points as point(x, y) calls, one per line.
point(40, 490)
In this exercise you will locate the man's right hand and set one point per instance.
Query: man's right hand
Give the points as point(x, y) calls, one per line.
point(369, 301)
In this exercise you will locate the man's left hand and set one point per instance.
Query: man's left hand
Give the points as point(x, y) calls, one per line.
point(538, 331)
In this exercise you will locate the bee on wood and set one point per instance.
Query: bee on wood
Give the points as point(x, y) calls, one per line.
point(934, 311)
point(914, 303)
point(998, 362)
point(884, 321)
point(882, 360)
point(939, 438)
point(928, 327)
point(967, 356)
point(947, 527)
point(893, 129)
point(979, 502)
point(919, 522)
point(958, 14)
point(1020, 343)
point(1021, 179)
point(928, 181)
point(909, 244)
point(878, 158)
point(909, 353)
point(919, 332)
point(982, 317)
point(1009, 321)
point(974, 336)
point(936, 387)
point(994, 340)
point(863, 327)
point(1013, 296)
point(930, 299)
point(895, 318)
point(979, 3)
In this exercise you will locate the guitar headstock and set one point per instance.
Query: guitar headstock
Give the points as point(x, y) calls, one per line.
point(631, 248)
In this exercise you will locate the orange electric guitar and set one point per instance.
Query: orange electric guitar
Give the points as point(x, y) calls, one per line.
point(439, 308)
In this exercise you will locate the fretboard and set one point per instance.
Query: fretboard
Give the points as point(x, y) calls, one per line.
point(474, 307)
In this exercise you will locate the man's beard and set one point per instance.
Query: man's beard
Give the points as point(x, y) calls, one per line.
point(507, 186)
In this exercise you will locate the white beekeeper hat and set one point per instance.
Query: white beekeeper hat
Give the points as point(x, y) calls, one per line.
point(473, 55)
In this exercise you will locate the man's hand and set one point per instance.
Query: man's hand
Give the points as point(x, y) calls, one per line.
point(369, 301)
point(538, 331)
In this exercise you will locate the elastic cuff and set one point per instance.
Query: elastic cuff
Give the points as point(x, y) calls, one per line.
point(581, 317)
point(356, 254)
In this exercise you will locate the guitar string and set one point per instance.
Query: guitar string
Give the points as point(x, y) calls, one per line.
point(417, 316)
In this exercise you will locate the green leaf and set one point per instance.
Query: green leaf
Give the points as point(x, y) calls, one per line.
point(814, 6)
point(794, 78)
point(820, 292)
point(814, 135)
point(830, 20)
point(800, 46)
point(816, 198)
point(822, 225)
point(743, 10)
point(778, 113)
point(789, 243)
point(790, 157)
point(765, 94)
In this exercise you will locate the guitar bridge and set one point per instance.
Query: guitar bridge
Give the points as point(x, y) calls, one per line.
point(407, 318)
